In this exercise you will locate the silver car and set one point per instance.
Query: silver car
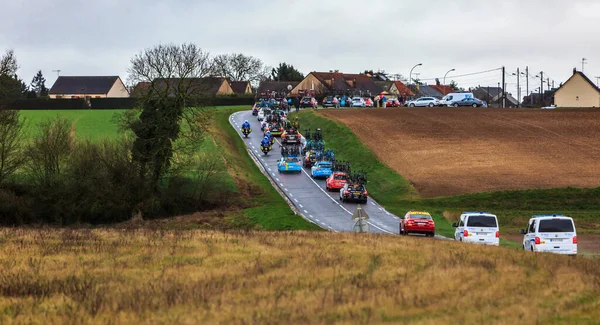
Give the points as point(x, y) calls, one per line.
point(423, 102)
point(467, 102)
point(358, 102)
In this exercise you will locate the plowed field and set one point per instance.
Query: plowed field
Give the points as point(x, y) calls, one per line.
point(448, 151)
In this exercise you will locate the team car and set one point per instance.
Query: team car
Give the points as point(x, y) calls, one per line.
point(354, 192)
point(289, 161)
point(261, 115)
point(322, 169)
point(335, 181)
point(551, 234)
point(417, 222)
point(310, 158)
point(291, 137)
point(477, 228)
point(276, 129)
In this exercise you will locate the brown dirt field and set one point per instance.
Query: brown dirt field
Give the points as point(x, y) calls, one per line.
point(448, 151)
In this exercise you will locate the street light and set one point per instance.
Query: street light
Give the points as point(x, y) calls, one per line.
point(447, 74)
point(411, 70)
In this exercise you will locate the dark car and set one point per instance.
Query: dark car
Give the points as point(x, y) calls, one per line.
point(308, 102)
point(354, 193)
point(331, 101)
point(467, 102)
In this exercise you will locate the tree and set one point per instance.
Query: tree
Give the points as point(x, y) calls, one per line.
point(240, 67)
point(8, 64)
point(285, 72)
point(38, 85)
point(11, 143)
point(174, 75)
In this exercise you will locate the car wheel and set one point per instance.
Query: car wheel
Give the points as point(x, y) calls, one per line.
point(455, 105)
point(474, 105)
point(431, 105)
point(411, 105)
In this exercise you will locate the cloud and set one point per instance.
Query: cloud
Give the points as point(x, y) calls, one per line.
point(99, 37)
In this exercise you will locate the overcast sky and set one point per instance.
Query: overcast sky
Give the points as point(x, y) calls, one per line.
point(99, 37)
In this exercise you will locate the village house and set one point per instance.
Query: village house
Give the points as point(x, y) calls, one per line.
point(88, 87)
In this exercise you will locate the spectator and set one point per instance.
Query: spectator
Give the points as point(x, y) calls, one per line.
point(383, 101)
point(377, 98)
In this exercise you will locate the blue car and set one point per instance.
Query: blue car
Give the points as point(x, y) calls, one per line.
point(321, 169)
point(289, 164)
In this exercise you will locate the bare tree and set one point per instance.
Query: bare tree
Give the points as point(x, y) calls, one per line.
point(8, 64)
point(240, 67)
point(11, 143)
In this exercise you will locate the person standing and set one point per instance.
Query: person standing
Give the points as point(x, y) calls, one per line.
point(383, 101)
point(377, 98)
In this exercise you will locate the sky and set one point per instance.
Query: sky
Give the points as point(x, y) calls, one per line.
point(100, 37)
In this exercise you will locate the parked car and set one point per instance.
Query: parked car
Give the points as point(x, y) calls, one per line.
point(392, 102)
point(358, 102)
point(308, 102)
point(550, 233)
point(336, 181)
point(417, 222)
point(454, 97)
point(368, 102)
point(423, 102)
point(467, 102)
point(477, 228)
point(331, 101)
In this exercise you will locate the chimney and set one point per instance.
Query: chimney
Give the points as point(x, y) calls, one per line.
point(574, 70)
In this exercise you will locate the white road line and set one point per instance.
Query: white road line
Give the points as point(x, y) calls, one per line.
point(269, 168)
point(273, 174)
point(305, 211)
point(301, 206)
point(277, 179)
point(256, 151)
point(291, 195)
point(285, 189)
point(310, 216)
point(372, 203)
point(281, 184)
point(296, 200)
point(322, 223)
point(380, 209)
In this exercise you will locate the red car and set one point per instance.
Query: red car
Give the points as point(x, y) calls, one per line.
point(392, 103)
point(368, 102)
point(336, 181)
point(417, 222)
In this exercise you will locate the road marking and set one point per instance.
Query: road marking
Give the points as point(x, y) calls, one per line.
point(285, 189)
point(380, 209)
point(372, 203)
point(273, 174)
point(310, 216)
point(256, 151)
point(296, 200)
point(301, 206)
point(305, 211)
point(281, 184)
point(291, 195)
point(269, 168)
point(318, 220)
point(277, 179)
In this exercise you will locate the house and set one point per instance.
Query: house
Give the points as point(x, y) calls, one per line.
point(577, 91)
point(241, 87)
point(208, 86)
point(337, 83)
point(427, 91)
point(400, 89)
point(493, 96)
point(279, 87)
point(88, 87)
point(443, 89)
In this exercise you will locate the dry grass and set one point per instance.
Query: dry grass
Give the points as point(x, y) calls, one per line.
point(447, 151)
point(192, 277)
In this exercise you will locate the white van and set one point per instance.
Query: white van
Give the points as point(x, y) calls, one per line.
point(478, 228)
point(454, 97)
point(550, 233)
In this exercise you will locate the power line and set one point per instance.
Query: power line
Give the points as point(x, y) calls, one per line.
point(462, 75)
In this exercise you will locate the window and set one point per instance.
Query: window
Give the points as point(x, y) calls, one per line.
point(461, 223)
point(420, 216)
point(556, 225)
point(482, 221)
point(531, 228)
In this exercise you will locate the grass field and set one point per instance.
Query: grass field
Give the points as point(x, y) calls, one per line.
point(514, 208)
point(263, 207)
point(122, 276)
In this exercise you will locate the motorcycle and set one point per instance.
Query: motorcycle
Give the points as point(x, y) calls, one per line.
point(266, 150)
point(246, 131)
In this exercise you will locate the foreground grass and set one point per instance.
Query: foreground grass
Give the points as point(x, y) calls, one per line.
point(192, 277)
point(514, 208)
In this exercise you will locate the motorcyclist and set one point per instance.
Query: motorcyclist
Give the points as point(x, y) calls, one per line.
point(269, 136)
point(266, 143)
point(246, 125)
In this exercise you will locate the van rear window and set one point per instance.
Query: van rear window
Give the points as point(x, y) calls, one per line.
point(482, 221)
point(556, 225)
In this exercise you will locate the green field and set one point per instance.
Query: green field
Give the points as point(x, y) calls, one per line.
point(261, 205)
point(394, 192)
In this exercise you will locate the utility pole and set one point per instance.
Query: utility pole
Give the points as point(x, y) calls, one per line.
point(527, 76)
point(542, 86)
point(548, 83)
point(518, 88)
point(582, 63)
point(503, 87)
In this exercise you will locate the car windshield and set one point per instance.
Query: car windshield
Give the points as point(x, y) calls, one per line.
point(291, 159)
point(556, 225)
point(339, 177)
point(356, 187)
point(324, 165)
point(420, 216)
point(482, 221)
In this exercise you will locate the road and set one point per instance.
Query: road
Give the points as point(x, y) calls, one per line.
point(309, 195)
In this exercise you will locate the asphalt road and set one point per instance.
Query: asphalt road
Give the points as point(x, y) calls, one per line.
point(309, 195)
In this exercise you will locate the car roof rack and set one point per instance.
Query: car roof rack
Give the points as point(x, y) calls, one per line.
point(547, 215)
point(478, 212)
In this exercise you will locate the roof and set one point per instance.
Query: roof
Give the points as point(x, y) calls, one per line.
point(208, 85)
point(403, 89)
point(337, 81)
point(444, 89)
point(239, 87)
point(584, 77)
point(428, 91)
point(277, 86)
point(83, 85)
